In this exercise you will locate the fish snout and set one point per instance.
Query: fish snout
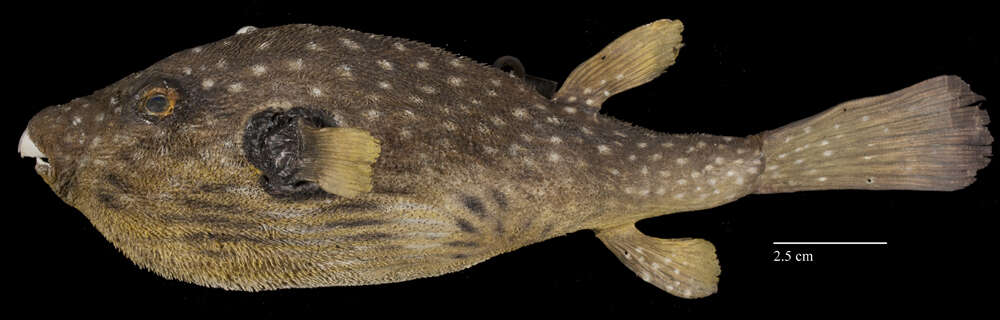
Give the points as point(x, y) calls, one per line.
point(27, 148)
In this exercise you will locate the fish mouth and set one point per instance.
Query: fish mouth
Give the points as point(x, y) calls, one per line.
point(27, 148)
point(272, 142)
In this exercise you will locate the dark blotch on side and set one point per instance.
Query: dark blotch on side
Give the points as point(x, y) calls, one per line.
point(466, 244)
point(196, 204)
point(108, 201)
point(353, 223)
point(474, 204)
point(374, 236)
point(117, 182)
point(219, 237)
point(465, 226)
point(500, 199)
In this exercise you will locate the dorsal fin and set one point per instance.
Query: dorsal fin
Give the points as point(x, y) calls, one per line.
point(631, 60)
point(686, 267)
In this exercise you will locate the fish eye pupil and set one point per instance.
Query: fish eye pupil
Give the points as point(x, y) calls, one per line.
point(157, 104)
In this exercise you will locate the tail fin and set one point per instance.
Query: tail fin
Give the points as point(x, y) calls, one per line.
point(930, 136)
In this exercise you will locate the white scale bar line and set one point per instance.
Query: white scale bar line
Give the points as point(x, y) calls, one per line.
point(837, 243)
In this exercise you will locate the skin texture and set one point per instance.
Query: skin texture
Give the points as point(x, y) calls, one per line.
point(473, 163)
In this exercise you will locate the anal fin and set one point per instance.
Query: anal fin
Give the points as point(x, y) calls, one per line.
point(687, 268)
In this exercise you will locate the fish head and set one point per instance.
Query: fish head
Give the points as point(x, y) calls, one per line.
point(190, 168)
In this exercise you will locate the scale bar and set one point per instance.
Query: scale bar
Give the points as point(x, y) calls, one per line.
point(832, 243)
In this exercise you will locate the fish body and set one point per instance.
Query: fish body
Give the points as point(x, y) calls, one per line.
point(204, 167)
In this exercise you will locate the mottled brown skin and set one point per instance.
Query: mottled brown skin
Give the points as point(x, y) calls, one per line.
point(473, 163)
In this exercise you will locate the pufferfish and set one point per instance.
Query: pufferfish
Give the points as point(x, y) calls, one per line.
point(307, 156)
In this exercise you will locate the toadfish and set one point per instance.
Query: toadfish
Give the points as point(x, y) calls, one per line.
point(305, 156)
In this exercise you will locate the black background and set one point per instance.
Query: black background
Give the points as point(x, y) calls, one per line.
point(742, 71)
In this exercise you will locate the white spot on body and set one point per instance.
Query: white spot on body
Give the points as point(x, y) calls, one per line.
point(258, 70)
point(76, 120)
point(455, 63)
point(865, 118)
point(603, 149)
point(207, 83)
point(235, 88)
point(344, 71)
point(384, 85)
point(350, 44)
point(423, 65)
point(455, 81)
point(682, 181)
point(555, 140)
point(497, 121)
point(682, 161)
point(428, 89)
point(384, 64)
point(295, 65)
point(569, 110)
point(186, 71)
point(554, 157)
point(315, 92)
point(827, 153)
point(821, 179)
point(799, 161)
point(372, 114)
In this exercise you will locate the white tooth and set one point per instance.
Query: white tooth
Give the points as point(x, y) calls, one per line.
point(27, 148)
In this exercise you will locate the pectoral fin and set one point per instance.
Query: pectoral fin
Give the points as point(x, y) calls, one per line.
point(686, 268)
point(339, 159)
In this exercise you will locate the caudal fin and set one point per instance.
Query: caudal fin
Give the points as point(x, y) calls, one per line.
point(930, 136)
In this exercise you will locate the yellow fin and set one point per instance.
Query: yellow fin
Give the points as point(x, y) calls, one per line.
point(686, 268)
point(339, 159)
point(631, 60)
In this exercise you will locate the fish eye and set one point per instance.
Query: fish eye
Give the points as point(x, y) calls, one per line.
point(159, 101)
